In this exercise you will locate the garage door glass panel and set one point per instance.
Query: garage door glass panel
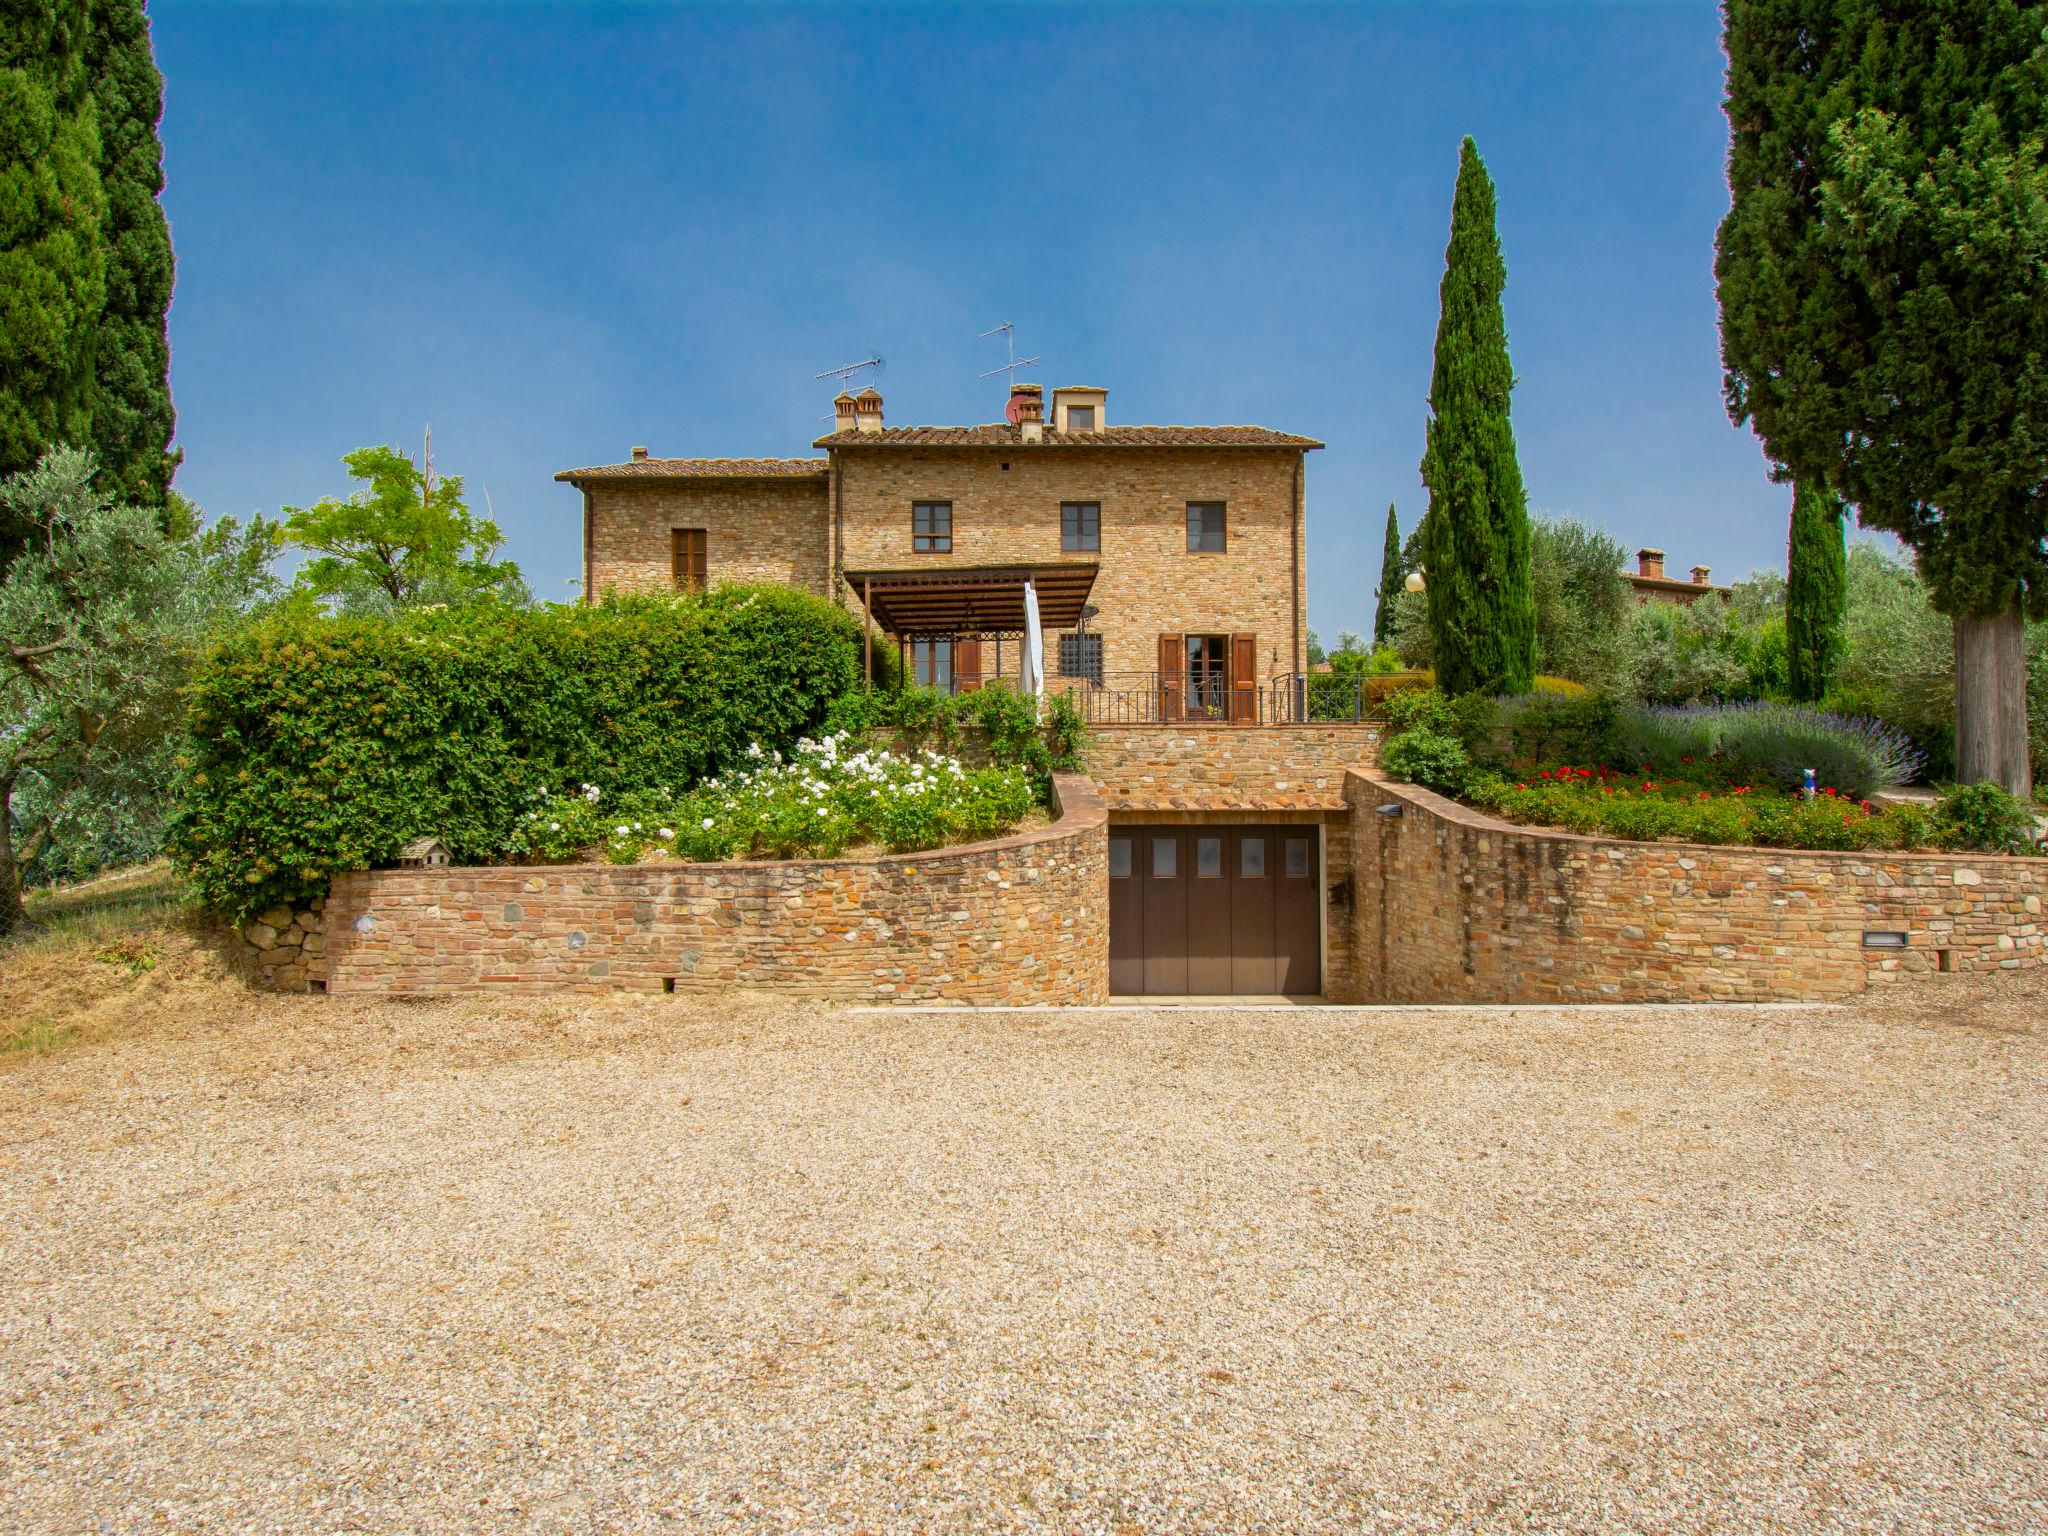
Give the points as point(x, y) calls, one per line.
point(1119, 858)
point(1252, 858)
point(1297, 858)
point(1165, 857)
point(1208, 858)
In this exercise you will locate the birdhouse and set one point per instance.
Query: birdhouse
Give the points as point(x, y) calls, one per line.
point(423, 853)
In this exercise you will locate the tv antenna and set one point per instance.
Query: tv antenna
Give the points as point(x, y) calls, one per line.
point(851, 371)
point(1008, 331)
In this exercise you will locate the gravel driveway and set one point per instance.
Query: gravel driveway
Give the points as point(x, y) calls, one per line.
point(299, 1265)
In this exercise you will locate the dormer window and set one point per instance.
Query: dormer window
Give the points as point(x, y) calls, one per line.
point(1080, 418)
point(1079, 408)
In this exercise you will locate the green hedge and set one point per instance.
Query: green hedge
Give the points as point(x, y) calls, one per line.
point(322, 745)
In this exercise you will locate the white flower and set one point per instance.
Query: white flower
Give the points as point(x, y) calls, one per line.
point(664, 833)
point(591, 793)
point(554, 826)
point(707, 823)
point(620, 829)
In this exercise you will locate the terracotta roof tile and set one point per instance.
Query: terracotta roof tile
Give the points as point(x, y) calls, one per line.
point(1003, 435)
point(701, 469)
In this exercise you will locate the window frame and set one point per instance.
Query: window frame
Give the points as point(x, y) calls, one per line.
point(697, 576)
point(932, 541)
point(1087, 650)
point(1085, 537)
point(1199, 531)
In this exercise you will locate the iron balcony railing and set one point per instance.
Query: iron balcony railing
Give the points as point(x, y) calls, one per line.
point(1176, 698)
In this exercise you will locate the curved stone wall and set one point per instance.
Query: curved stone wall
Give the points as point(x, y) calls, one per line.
point(1019, 919)
point(1456, 906)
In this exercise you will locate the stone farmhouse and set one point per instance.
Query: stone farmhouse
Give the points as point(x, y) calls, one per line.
point(1168, 562)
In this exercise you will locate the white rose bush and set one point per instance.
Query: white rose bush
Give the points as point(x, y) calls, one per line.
point(829, 795)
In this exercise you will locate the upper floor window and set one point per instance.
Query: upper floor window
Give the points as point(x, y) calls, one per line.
point(1205, 528)
point(1081, 655)
point(1080, 418)
point(1080, 525)
point(689, 551)
point(931, 527)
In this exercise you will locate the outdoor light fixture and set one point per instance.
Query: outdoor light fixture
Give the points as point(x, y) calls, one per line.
point(1882, 938)
point(1391, 810)
point(1415, 583)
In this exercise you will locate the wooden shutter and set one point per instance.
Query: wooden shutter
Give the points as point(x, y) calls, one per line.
point(1244, 679)
point(967, 664)
point(1173, 668)
point(690, 554)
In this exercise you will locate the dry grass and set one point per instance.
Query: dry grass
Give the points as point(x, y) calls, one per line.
point(305, 1264)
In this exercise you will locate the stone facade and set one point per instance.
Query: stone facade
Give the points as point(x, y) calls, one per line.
point(1249, 768)
point(757, 531)
point(1006, 510)
point(1020, 919)
point(1456, 906)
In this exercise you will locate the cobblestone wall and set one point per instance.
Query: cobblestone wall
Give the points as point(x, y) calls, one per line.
point(1227, 768)
point(1455, 906)
point(1020, 919)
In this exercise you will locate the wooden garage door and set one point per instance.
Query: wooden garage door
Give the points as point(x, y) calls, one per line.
point(1214, 911)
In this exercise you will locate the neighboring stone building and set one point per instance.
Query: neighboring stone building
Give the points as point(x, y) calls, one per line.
point(1650, 584)
point(1168, 562)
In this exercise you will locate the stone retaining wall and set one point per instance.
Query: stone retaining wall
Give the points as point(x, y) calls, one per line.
point(1455, 906)
point(1227, 767)
point(1018, 919)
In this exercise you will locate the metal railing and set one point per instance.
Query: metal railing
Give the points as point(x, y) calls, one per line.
point(1172, 698)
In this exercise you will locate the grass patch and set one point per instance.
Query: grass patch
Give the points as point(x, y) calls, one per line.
point(100, 956)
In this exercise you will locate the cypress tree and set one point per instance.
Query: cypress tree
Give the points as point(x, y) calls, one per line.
point(1476, 549)
point(1882, 312)
point(132, 419)
point(1392, 572)
point(1816, 590)
point(52, 269)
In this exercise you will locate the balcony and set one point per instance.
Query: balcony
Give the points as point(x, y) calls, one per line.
point(1199, 698)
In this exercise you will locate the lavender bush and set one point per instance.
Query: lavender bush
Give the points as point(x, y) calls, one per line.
point(1768, 743)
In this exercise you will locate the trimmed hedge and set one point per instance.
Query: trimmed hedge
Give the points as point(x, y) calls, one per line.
point(322, 745)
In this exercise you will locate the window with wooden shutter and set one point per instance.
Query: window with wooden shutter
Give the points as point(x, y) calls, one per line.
point(1244, 679)
point(931, 527)
point(691, 553)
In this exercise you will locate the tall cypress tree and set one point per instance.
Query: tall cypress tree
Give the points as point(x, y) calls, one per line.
point(52, 268)
point(1816, 589)
point(1482, 607)
point(1882, 312)
point(1392, 572)
point(132, 419)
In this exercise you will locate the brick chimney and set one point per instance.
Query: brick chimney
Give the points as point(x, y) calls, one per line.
point(842, 412)
point(1027, 410)
point(1700, 573)
point(639, 454)
point(867, 411)
point(1650, 564)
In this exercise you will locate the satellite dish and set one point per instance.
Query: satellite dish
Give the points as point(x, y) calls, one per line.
point(1014, 411)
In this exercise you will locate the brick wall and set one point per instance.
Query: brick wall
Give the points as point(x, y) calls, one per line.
point(757, 530)
point(1217, 767)
point(1456, 906)
point(1020, 919)
point(1006, 508)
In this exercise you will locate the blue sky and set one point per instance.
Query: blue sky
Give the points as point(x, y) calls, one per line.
point(554, 232)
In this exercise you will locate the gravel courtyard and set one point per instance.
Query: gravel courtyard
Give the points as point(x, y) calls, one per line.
point(299, 1265)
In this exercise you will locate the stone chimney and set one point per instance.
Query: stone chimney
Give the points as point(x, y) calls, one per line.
point(1650, 564)
point(842, 412)
point(639, 454)
point(867, 411)
point(1027, 411)
point(1700, 573)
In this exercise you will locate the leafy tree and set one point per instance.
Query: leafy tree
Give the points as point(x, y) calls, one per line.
point(132, 419)
point(52, 268)
point(1580, 598)
point(1316, 654)
point(1816, 591)
point(97, 614)
point(1884, 314)
point(406, 540)
point(1393, 572)
point(1482, 616)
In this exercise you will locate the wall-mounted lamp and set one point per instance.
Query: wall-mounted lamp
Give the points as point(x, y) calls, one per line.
point(1391, 810)
point(1878, 938)
point(1415, 583)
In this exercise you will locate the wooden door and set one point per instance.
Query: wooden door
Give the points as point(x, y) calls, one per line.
point(1208, 936)
point(1253, 966)
point(1298, 912)
point(1173, 662)
point(1126, 913)
point(1164, 854)
point(690, 552)
point(967, 664)
point(1244, 679)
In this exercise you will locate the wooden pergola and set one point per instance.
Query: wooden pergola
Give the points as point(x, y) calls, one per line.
point(944, 602)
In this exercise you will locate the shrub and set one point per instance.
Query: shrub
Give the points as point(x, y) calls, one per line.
point(827, 796)
point(1427, 756)
point(1556, 726)
point(1985, 816)
point(1017, 733)
point(321, 745)
point(1769, 743)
